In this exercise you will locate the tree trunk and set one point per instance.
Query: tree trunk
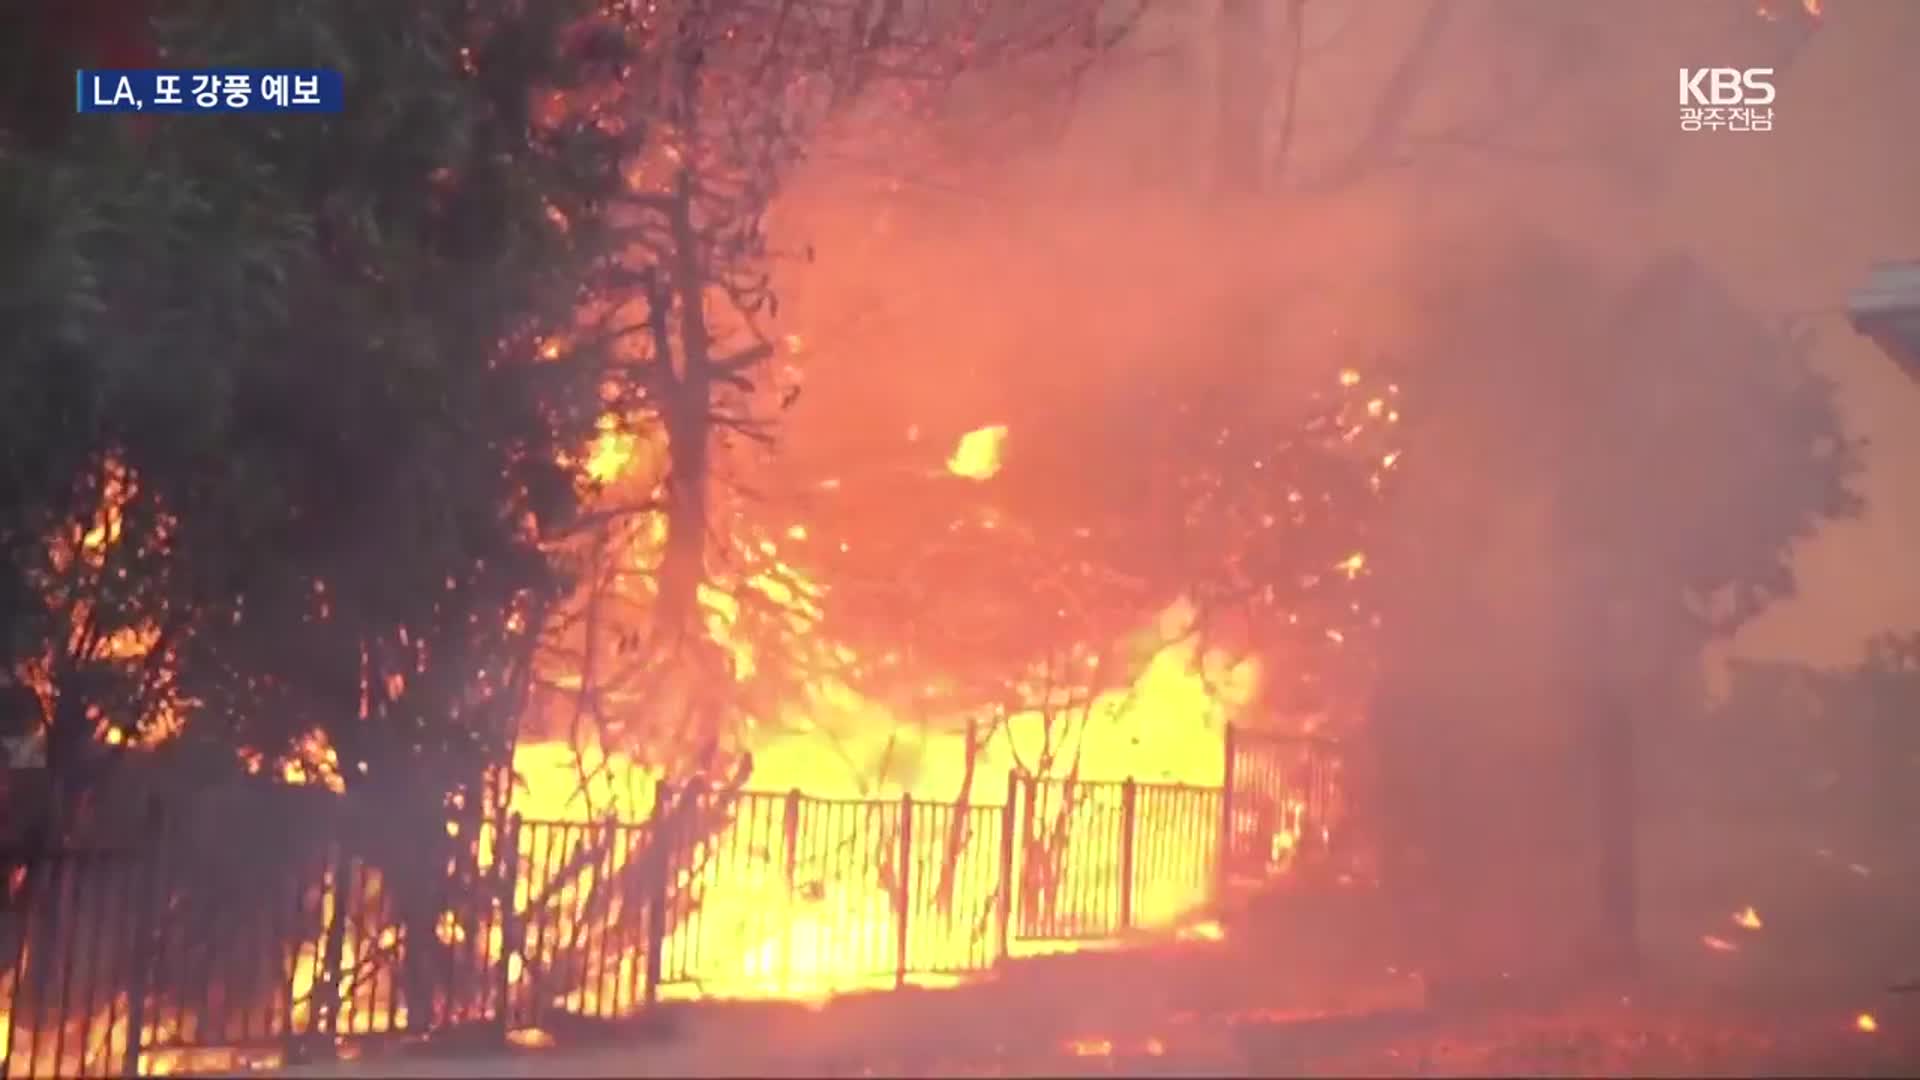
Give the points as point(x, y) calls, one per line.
point(688, 419)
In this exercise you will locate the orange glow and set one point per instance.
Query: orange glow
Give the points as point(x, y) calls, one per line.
point(1866, 1023)
point(1747, 918)
point(530, 1038)
point(1090, 1047)
point(978, 454)
point(1210, 930)
point(612, 452)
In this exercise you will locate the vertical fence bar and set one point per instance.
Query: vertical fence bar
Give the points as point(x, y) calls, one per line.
point(1223, 855)
point(904, 885)
point(661, 865)
point(1029, 910)
point(337, 892)
point(16, 988)
point(1129, 806)
point(790, 858)
point(1008, 815)
point(147, 897)
point(506, 860)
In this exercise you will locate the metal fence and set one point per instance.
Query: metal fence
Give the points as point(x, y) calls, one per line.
point(114, 960)
point(1281, 801)
point(1105, 858)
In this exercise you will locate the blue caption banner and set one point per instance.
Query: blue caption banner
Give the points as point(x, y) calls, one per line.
point(207, 90)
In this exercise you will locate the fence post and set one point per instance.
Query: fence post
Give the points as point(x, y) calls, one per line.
point(327, 1002)
point(506, 856)
point(1223, 846)
point(1033, 918)
point(791, 858)
point(148, 880)
point(661, 858)
point(1129, 795)
point(1008, 815)
point(903, 884)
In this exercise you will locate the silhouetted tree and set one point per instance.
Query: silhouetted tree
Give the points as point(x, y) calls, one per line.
point(1605, 478)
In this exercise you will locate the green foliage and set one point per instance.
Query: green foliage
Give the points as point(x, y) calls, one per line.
point(312, 343)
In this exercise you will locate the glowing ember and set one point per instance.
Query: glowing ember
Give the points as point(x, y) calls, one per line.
point(978, 454)
point(1865, 1022)
point(530, 1038)
point(1747, 918)
point(1206, 931)
point(613, 451)
point(1090, 1047)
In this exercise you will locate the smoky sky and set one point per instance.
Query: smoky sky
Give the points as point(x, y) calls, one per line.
point(990, 278)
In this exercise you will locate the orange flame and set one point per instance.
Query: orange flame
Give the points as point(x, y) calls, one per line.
point(978, 454)
point(1090, 1047)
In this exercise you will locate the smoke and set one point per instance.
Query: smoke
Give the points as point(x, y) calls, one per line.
point(1487, 202)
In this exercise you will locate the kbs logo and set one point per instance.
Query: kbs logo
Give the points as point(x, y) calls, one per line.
point(1726, 99)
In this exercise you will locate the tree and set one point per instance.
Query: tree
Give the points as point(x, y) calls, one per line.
point(324, 416)
point(291, 425)
point(1609, 476)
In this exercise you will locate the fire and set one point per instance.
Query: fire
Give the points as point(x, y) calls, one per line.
point(613, 451)
point(1812, 9)
point(759, 936)
point(1210, 930)
point(1747, 918)
point(1090, 1047)
point(978, 454)
point(530, 1038)
point(1866, 1023)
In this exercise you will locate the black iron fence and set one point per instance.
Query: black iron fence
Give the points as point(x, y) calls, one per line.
point(115, 960)
point(1281, 801)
